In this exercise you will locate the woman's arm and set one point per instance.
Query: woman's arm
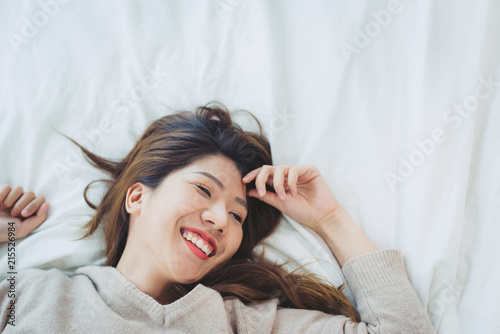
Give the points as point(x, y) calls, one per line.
point(20, 212)
point(344, 237)
point(386, 300)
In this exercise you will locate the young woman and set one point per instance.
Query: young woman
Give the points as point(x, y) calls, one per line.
point(181, 216)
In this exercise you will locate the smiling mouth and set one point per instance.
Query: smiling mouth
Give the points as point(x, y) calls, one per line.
point(201, 247)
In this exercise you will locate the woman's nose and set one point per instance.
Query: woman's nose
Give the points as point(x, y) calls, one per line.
point(219, 219)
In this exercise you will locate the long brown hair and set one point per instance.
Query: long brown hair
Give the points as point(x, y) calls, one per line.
point(177, 140)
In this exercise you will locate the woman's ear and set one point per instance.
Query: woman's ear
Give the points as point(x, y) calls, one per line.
point(134, 199)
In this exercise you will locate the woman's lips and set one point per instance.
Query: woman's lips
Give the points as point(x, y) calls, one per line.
point(207, 237)
point(198, 252)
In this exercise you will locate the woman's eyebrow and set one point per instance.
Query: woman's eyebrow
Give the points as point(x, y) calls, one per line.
point(220, 185)
point(216, 180)
point(242, 202)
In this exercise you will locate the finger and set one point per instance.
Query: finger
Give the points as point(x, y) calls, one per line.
point(25, 199)
point(260, 181)
point(279, 176)
point(12, 197)
point(27, 226)
point(33, 206)
point(307, 173)
point(4, 191)
point(269, 198)
point(251, 175)
point(270, 182)
point(293, 175)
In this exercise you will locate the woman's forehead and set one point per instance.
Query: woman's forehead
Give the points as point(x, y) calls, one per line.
point(221, 170)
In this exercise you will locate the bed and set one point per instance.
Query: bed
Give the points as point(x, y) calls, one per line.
point(396, 102)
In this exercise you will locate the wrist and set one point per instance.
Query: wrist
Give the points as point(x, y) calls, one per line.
point(344, 237)
point(333, 221)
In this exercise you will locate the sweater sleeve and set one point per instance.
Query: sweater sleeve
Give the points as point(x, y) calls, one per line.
point(386, 301)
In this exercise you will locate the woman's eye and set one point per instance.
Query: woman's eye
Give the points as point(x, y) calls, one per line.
point(236, 216)
point(205, 190)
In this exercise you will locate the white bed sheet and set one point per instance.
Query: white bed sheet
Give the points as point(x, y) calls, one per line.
point(360, 89)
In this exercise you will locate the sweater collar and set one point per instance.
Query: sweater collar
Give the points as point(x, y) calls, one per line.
point(122, 296)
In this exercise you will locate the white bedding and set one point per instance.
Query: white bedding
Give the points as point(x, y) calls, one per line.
point(360, 89)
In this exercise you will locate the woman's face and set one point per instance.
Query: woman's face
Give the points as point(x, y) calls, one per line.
point(204, 202)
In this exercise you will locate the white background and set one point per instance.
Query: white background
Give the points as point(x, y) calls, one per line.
point(368, 91)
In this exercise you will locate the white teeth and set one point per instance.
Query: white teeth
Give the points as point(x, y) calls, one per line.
point(208, 251)
point(199, 242)
point(187, 235)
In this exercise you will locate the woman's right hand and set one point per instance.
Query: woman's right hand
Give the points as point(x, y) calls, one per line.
point(300, 192)
point(26, 210)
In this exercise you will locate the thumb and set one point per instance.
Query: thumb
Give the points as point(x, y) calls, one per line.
point(28, 225)
point(269, 198)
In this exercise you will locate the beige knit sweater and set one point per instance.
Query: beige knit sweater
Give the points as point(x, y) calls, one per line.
point(101, 300)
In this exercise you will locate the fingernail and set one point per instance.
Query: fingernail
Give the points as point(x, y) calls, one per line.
point(24, 212)
point(281, 196)
point(293, 193)
point(261, 192)
point(13, 213)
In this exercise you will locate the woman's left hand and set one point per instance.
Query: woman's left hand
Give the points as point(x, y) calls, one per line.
point(300, 192)
point(20, 212)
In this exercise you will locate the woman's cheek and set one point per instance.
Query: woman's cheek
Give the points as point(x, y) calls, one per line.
point(238, 241)
point(190, 204)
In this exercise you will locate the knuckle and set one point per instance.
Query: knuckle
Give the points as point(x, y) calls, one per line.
point(262, 175)
point(5, 187)
point(18, 189)
point(30, 194)
point(42, 198)
point(259, 178)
